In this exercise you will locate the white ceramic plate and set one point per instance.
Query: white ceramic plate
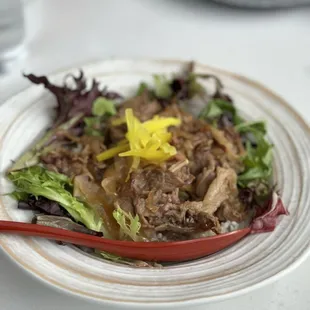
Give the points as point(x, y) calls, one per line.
point(253, 262)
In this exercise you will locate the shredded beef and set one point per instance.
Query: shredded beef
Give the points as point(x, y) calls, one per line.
point(65, 162)
point(79, 160)
point(143, 109)
point(203, 181)
point(153, 194)
point(116, 133)
point(167, 214)
point(221, 189)
point(203, 174)
point(155, 178)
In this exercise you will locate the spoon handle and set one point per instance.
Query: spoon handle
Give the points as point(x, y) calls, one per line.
point(52, 233)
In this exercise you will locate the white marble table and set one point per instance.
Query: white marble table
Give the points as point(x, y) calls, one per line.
point(272, 47)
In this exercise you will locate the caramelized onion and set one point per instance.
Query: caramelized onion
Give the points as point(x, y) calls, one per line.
point(96, 198)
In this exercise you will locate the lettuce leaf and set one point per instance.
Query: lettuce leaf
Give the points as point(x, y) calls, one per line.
point(19, 195)
point(215, 108)
point(194, 87)
point(258, 159)
point(257, 127)
point(73, 99)
point(182, 86)
point(103, 106)
point(142, 88)
point(38, 181)
point(102, 109)
point(162, 88)
point(40, 204)
point(129, 225)
point(93, 126)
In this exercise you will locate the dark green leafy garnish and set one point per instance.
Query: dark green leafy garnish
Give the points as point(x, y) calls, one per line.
point(93, 126)
point(142, 88)
point(102, 109)
point(258, 159)
point(162, 88)
point(216, 108)
point(102, 106)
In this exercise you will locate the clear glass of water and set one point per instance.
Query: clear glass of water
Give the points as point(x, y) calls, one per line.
point(12, 30)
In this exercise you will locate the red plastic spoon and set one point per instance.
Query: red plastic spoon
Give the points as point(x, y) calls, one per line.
point(150, 251)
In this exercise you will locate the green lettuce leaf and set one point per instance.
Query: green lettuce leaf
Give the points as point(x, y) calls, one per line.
point(194, 87)
point(258, 160)
point(19, 196)
point(142, 87)
point(257, 127)
point(103, 106)
point(215, 108)
point(93, 126)
point(129, 225)
point(102, 109)
point(162, 88)
point(38, 181)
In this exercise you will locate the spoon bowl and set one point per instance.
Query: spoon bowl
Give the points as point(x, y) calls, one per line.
point(177, 251)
